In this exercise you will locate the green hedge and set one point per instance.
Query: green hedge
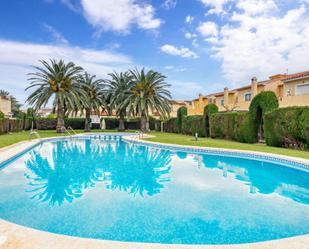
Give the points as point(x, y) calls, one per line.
point(79, 123)
point(232, 125)
point(209, 110)
point(194, 124)
point(181, 114)
point(171, 126)
point(287, 127)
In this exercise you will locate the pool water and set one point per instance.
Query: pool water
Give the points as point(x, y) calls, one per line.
point(115, 190)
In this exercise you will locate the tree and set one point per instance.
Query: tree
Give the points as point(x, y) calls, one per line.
point(118, 89)
point(57, 80)
point(149, 92)
point(95, 96)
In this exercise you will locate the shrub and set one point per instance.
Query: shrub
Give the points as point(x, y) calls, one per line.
point(194, 124)
point(232, 125)
point(181, 113)
point(171, 125)
point(262, 104)
point(287, 127)
point(209, 110)
point(1, 115)
point(75, 123)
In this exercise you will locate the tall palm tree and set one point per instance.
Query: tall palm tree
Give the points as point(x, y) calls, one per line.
point(58, 80)
point(148, 93)
point(118, 89)
point(95, 97)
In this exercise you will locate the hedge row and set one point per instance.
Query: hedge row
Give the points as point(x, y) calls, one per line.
point(194, 124)
point(171, 125)
point(232, 125)
point(79, 124)
point(13, 125)
point(287, 127)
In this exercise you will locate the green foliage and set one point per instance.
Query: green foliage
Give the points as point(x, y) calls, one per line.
point(287, 127)
point(232, 125)
point(193, 124)
point(149, 91)
point(181, 114)
point(171, 126)
point(1, 115)
point(262, 104)
point(209, 110)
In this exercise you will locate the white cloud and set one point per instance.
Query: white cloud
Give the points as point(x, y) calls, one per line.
point(253, 7)
point(56, 35)
point(182, 52)
point(17, 57)
point(189, 19)
point(169, 4)
point(216, 6)
point(208, 29)
point(259, 42)
point(106, 15)
point(189, 35)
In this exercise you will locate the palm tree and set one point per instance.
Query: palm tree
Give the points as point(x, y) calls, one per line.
point(95, 95)
point(148, 93)
point(58, 80)
point(118, 89)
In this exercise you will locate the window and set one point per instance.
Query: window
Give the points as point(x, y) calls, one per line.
point(302, 89)
point(247, 96)
point(222, 102)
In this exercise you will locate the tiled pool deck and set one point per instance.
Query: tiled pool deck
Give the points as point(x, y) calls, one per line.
point(14, 236)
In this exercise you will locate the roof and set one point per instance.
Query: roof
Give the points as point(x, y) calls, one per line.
point(296, 76)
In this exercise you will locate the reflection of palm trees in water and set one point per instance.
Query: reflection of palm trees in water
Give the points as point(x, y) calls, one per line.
point(138, 169)
point(67, 175)
point(76, 166)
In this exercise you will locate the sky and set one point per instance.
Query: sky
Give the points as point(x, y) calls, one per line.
point(201, 46)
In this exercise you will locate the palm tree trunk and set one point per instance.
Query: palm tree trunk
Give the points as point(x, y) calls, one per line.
point(87, 120)
point(60, 118)
point(121, 122)
point(143, 123)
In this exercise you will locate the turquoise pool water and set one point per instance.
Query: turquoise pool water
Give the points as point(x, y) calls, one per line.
point(116, 190)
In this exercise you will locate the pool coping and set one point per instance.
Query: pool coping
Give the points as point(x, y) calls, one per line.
point(13, 236)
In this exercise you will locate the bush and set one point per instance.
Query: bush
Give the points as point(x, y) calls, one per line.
point(1, 115)
point(193, 124)
point(171, 125)
point(262, 104)
point(46, 123)
point(181, 113)
point(232, 125)
point(209, 110)
point(287, 127)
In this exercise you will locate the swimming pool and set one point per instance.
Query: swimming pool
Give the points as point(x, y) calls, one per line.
point(111, 189)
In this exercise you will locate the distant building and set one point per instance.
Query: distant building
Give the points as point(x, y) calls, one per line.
point(5, 106)
point(44, 112)
point(291, 90)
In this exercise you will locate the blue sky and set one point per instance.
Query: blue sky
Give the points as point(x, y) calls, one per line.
point(201, 45)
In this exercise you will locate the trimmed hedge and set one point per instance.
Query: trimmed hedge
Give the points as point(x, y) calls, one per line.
point(194, 124)
point(79, 123)
point(232, 125)
point(287, 127)
point(262, 104)
point(209, 110)
point(171, 126)
point(181, 113)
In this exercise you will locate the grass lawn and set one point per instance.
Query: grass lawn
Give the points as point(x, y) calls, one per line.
point(172, 138)
point(8, 139)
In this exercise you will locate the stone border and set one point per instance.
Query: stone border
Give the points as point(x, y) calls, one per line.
point(13, 236)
